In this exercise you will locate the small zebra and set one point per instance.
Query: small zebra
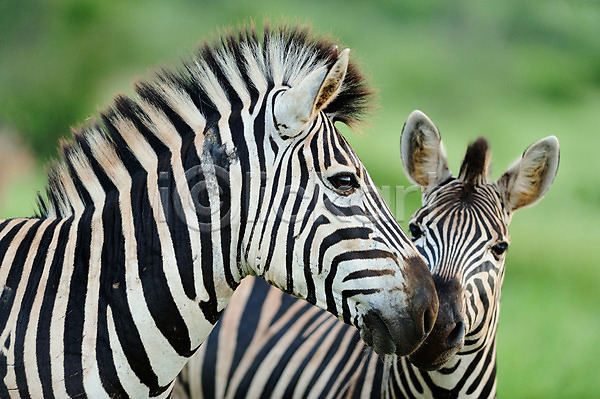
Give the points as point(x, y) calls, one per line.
point(230, 166)
point(296, 351)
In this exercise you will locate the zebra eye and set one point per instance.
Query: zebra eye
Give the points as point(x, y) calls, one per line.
point(500, 248)
point(344, 182)
point(415, 231)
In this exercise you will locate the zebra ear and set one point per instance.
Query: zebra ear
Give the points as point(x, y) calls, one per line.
point(300, 104)
point(529, 179)
point(422, 152)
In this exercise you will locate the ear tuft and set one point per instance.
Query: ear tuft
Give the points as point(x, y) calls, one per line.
point(422, 152)
point(332, 82)
point(530, 178)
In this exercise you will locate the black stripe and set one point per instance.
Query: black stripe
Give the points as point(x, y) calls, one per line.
point(112, 293)
point(366, 273)
point(157, 294)
point(291, 237)
point(149, 93)
point(276, 207)
point(236, 128)
point(209, 307)
point(75, 313)
point(346, 256)
point(478, 381)
point(248, 322)
point(308, 250)
point(315, 145)
point(491, 379)
point(4, 223)
point(340, 146)
point(346, 294)
point(79, 186)
point(115, 289)
point(179, 227)
point(310, 209)
point(209, 377)
point(347, 211)
point(345, 234)
point(325, 134)
point(47, 310)
point(174, 214)
point(235, 103)
point(259, 127)
point(9, 289)
point(407, 374)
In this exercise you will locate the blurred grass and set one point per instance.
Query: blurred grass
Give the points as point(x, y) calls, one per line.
point(513, 71)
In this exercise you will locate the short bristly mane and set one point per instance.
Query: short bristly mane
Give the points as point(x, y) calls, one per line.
point(475, 165)
point(186, 102)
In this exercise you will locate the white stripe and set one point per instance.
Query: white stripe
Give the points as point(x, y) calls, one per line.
point(57, 324)
point(29, 354)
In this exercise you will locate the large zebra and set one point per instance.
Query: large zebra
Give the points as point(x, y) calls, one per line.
point(298, 351)
point(228, 167)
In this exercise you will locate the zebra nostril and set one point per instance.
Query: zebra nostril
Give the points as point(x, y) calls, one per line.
point(429, 317)
point(456, 335)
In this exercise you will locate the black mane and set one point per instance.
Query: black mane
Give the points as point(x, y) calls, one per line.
point(474, 168)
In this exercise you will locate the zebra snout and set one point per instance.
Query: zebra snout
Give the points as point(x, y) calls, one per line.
point(400, 329)
point(446, 339)
point(448, 334)
point(424, 310)
point(422, 304)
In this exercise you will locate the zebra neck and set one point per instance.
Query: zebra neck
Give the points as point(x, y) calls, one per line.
point(470, 376)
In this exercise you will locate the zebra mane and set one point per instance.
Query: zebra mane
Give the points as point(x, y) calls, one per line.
point(475, 166)
point(176, 105)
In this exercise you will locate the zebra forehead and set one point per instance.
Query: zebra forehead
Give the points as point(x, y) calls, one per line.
point(449, 203)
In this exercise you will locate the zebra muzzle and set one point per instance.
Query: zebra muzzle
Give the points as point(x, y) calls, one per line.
point(401, 331)
point(448, 334)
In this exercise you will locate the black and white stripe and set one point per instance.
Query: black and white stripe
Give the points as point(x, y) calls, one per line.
point(296, 351)
point(231, 166)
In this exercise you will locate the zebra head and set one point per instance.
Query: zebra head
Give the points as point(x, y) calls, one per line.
point(462, 231)
point(320, 229)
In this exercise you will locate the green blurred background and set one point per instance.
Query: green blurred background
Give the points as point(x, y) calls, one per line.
point(513, 71)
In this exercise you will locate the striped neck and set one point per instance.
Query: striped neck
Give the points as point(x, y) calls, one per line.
point(471, 375)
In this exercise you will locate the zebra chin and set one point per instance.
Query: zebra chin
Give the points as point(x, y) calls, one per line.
point(427, 359)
